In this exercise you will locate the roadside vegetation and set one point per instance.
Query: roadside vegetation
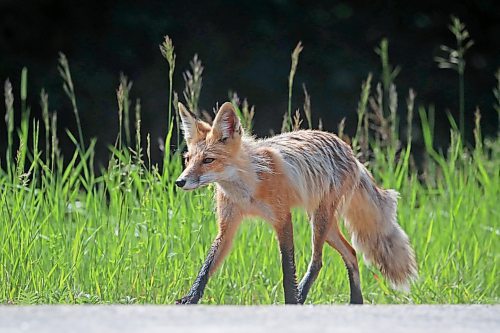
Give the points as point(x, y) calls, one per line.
point(73, 233)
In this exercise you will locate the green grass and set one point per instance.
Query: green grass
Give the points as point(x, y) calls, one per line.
point(127, 235)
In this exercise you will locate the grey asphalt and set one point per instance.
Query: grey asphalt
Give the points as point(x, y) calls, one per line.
point(222, 319)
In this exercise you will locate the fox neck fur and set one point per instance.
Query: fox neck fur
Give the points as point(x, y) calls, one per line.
point(252, 168)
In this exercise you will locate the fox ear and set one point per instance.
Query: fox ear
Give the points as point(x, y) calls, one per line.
point(194, 129)
point(226, 123)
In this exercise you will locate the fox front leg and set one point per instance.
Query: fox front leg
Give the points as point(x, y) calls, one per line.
point(229, 220)
point(285, 239)
point(199, 284)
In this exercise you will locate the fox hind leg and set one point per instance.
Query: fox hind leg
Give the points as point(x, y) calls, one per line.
point(320, 224)
point(336, 240)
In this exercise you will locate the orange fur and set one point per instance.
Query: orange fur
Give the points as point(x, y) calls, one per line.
point(267, 178)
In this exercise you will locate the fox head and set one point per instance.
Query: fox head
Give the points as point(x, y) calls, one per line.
point(212, 150)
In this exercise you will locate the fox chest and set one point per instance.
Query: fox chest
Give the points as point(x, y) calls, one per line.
point(246, 202)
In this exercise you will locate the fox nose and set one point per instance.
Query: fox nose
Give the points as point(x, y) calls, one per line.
point(180, 182)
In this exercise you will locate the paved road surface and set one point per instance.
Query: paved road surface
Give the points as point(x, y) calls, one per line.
point(222, 319)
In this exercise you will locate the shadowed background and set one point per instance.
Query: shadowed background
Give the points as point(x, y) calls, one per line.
point(245, 47)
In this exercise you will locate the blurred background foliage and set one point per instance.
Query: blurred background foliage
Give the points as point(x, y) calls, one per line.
point(245, 47)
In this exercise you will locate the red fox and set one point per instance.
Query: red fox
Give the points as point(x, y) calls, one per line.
point(306, 168)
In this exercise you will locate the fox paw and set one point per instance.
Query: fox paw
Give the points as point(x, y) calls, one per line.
point(188, 299)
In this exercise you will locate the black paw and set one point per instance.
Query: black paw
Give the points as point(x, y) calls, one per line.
point(356, 300)
point(188, 299)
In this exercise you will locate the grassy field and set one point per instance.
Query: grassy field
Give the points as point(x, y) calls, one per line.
point(125, 234)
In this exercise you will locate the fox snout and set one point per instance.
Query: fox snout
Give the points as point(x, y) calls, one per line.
point(187, 182)
point(180, 182)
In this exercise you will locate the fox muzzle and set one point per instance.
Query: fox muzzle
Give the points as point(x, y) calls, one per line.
point(180, 182)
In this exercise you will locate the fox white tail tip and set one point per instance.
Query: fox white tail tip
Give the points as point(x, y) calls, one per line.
point(403, 287)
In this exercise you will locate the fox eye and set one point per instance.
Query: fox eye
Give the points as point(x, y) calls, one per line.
point(208, 160)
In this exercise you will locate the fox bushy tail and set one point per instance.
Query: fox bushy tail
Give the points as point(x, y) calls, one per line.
point(371, 218)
